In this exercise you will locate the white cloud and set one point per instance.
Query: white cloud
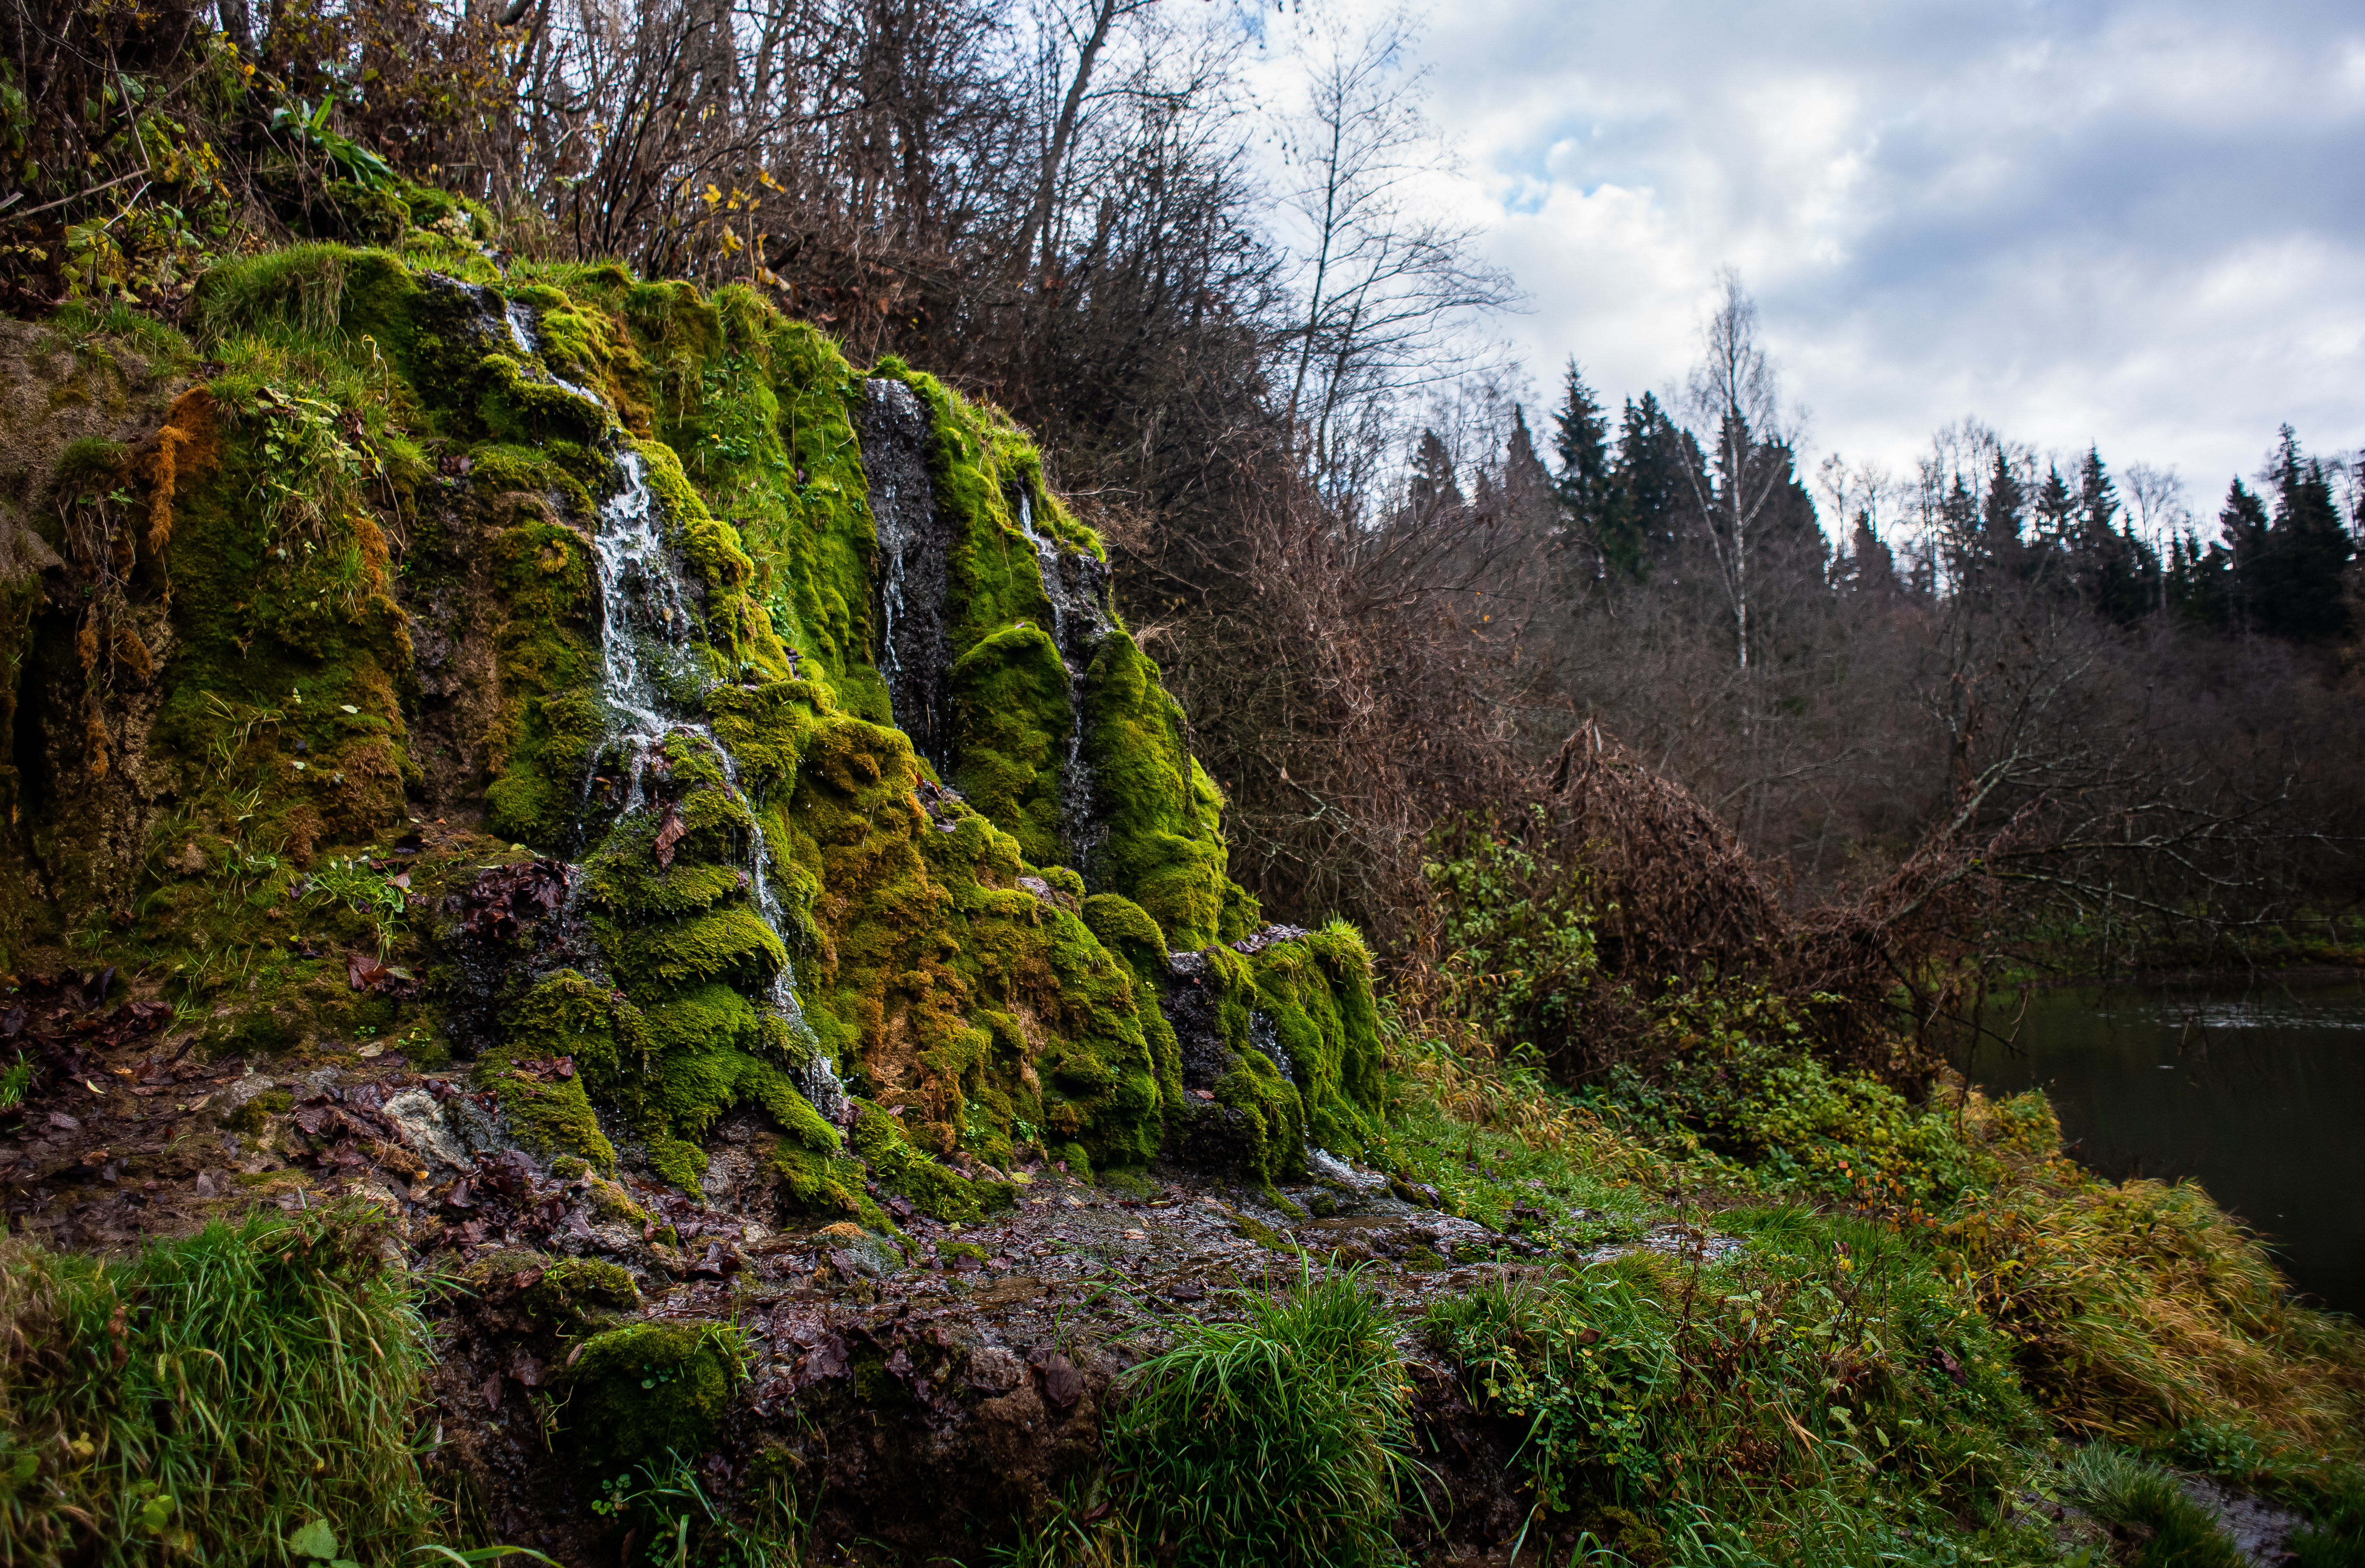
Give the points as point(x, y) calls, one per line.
point(2137, 225)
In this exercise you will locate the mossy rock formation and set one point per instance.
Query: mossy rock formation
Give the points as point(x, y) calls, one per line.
point(598, 602)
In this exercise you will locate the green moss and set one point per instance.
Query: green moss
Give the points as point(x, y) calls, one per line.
point(1126, 930)
point(640, 1393)
point(1256, 1231)
point(612, 1205)
point(1164, 848)
point(250, 1118)
point(678, 1161)
point(541, 751)
point(549, 1116)
point(1271, 1129)
point(565, 1016)
point(929, 978)
point(811, 1183)
point(1010, 704)
point(574, 1290)
point(935, 1190)
point(1316, 991)
point(730, 944)
point(569, 1014)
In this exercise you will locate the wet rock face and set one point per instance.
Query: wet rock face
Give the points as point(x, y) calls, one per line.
point(1193, 1004)
point(1076, 585)
point(915, 549)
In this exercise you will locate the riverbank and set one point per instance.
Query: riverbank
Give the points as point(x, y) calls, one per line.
point(2249, 1089)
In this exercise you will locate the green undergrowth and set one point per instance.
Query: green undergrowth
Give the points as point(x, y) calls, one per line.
point(2167, 1528)
point(1504, 1146)
point(1823, 1356)
point(674, 1517)
point(1742, 1359)
point(2334, 1536)
point(1283, 1439)
point(212, 1397)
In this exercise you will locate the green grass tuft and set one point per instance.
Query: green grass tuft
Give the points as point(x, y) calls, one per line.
point(1283, 1439)
point(2170, 1528)
point(211, 1398)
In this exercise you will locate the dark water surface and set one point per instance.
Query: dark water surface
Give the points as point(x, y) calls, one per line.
point(2258, 1092)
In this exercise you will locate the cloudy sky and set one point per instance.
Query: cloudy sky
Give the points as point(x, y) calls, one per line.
point(2137, 225)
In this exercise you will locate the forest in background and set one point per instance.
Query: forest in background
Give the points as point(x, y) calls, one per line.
point(2031, 709)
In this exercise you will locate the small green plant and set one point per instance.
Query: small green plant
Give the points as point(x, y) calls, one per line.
point(1283, 1439)
point(1582, 1367)
point(1084, 1528)
point(685, 1525)
point(2119, 1489)
point(309, 125)
point(351, 883)
point(2334, 1536)
point(244, 1385)
point(2219, 1448)
point(15, 1082)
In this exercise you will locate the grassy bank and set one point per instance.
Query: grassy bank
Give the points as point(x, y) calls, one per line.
point(1859, 1332)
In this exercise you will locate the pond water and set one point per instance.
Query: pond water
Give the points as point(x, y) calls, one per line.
point(2258, 1092)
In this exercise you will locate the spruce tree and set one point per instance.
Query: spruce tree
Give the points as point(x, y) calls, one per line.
point(1870, 566)
point(2117, 573)
point(2199, 582)
point(1999, 521)
point(1584, 485)
point(2302, 591)
point(2057, 509)
point(1648, 483)
point(2242, 525)
point(1434, 490)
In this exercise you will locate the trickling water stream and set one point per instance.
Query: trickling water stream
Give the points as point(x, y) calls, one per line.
point(646, 659)
point(914, 650)
point(1075, 582)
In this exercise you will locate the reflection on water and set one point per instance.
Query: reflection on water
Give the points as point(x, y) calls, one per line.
point(2257, 1091)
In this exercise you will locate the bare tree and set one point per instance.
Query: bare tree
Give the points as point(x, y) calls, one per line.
point(1733, 397)
point(1383, 287)
point(1088, 35)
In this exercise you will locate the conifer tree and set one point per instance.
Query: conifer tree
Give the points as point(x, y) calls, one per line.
point(2117, 573)
point(2301, 591)
point(1433, 488)
point(1871, 568)
point(1588, 499)
point(1999, 521)
point(2241, 563)
point(2057, 509)
point(1651, 477)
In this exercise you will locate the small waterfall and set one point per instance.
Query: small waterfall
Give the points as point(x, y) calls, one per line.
point(1075, 582)
point(644, 655)
point(527, 338)
point(914, 650)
